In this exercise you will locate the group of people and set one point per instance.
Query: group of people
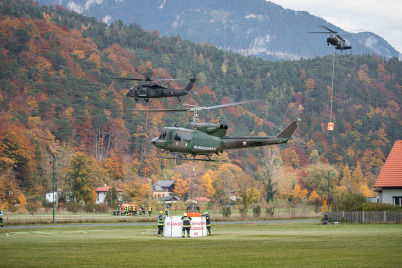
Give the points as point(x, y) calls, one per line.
point(132, 211)
point(186, 224)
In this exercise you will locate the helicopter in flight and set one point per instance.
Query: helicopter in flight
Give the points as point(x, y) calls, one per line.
point(206, 139)
point(335, 39)
point(151, 89)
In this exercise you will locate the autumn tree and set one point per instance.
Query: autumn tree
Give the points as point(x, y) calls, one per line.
point(136, 189)
point(207, 189)
point(181, 188)
point(357, 178)
point(80, 181)
point(15, 147)
point(318, 177)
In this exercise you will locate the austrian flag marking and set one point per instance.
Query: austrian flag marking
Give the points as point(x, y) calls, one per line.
point(244, 143)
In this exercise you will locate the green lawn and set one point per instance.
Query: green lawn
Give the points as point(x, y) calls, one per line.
point(232, 245)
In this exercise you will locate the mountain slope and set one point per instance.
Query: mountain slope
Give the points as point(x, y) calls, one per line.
point(257, 27)
point(57, 88)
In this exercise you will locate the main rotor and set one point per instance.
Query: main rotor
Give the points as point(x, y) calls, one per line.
point(195, 109)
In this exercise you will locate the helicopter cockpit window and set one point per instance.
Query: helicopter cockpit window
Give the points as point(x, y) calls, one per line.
point(142, 91)
point(162, 136)
point(187, 137)
point(169, 136)
point(177, 137)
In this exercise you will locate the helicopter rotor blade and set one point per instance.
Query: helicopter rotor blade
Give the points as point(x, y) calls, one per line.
point(328, 29)
point(130, 79)
point(224, 105)
point(158, 110)
point(171, 79)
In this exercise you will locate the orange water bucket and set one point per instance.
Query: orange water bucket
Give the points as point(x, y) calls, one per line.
point(330, 126)
point(193, 214)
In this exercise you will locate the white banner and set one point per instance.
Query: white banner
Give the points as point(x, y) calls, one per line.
point(173, 225)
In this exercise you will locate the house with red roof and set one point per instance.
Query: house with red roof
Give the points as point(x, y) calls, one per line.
point(101, 193)
point(389, 182)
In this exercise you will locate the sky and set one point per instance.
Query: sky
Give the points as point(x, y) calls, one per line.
point(382, 17)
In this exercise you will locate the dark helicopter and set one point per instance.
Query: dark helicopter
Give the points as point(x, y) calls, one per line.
point(151, 89)
point(335, 39)
point(207, 139)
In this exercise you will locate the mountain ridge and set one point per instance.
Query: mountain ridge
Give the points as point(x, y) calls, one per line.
point(252, 28)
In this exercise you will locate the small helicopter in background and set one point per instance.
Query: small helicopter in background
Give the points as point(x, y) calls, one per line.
point(186, 143)
point(151, 89)
point(335, 39)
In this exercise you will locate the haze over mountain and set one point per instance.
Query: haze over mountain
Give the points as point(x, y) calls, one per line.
point(255, 28)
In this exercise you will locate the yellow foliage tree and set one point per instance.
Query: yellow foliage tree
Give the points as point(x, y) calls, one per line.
point(180, 188)
point(314, 196)
point(365, 190)
point(207, 189)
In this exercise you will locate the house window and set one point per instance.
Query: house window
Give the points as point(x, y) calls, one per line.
point(397, 200)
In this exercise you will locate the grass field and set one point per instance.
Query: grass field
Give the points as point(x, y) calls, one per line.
point(232, 245)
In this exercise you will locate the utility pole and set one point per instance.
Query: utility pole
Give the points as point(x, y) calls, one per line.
point(333, 175)
point(58, 164)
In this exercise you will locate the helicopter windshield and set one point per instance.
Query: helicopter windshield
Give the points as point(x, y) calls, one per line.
point(162, 136)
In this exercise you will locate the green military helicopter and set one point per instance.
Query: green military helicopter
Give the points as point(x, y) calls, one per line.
point(186, 143)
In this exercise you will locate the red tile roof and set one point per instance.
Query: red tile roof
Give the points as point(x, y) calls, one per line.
point(106, 188)
point(201, 199)
point(391, 172)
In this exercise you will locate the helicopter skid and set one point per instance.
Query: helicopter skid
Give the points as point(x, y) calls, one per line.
point(184, 157)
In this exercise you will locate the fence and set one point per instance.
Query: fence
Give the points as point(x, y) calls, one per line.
point(366, 216)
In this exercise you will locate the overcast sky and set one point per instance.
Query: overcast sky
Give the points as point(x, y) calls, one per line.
point(382, 17)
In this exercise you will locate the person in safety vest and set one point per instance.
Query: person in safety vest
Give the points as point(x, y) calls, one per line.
point(160, 223)
point(166, 212)
point(1, 216)
point(135, 211)
point(149, 210)
point(208, 222)
point(186, 225)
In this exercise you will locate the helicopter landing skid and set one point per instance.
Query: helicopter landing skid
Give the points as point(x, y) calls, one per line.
point(184, 157)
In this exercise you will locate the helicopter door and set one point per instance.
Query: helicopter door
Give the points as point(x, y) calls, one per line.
point(142, 92)
point(178, 142)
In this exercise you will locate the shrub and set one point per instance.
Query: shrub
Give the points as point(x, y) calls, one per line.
point(33, 206)
point(357, 202)
point(257, 211)
point(243, 211)
point(226, 211)
point(74, 207)
point(270, 211)
point(91, 207)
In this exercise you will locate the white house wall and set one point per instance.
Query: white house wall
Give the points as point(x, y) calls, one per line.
point(387, 194)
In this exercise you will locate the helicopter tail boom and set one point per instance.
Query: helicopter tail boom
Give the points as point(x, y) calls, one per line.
point(237, 142)
point(288, 131)
point(190, 85)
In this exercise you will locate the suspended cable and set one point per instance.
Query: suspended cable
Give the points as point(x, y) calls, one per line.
point(331, 124)
point(146, 155)
point(332, 85)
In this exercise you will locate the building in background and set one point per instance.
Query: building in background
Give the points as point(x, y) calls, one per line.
point(389, 182)
point(101, 194)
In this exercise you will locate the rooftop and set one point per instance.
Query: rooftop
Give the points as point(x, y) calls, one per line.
point(391, 172)
point(106, 188)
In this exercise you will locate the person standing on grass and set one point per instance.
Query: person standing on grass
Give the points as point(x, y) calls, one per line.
point(1, 216)
point(186, 225)
point(142, 210)
point(161, 222)
point(208, 222)
point(149, 210)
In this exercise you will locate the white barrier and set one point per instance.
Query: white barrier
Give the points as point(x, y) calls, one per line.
point(173, 227)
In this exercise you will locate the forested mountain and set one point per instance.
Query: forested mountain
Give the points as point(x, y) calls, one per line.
point(250, 27)
point(59, 102)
